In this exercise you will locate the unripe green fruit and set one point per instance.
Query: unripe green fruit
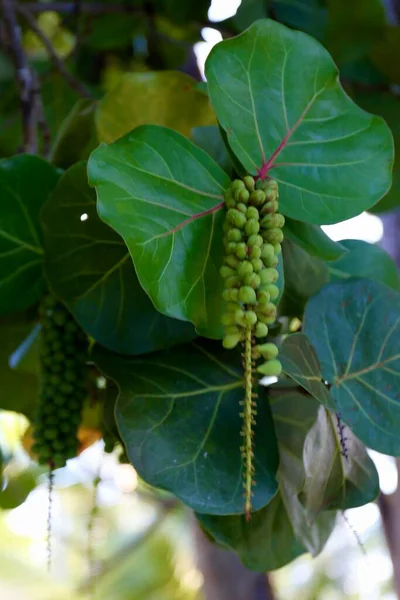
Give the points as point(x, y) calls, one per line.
point(236, 217)
point(273, 221)
point(255, 240)
point(267, 250)
point(232, 329)
point(252, 227)
point(268, 310)
point(232, 281)
point(241, 250)
point(271, 261)
point(231, 341)
point(271, 368)
point(230, 295)
point(273, 291)
point(273, 236)
point(257, 265)
point(228, 319)
point(257, 198)
point(230, 202)
point(245, 268)
point(231, 247)
point(270, 207)
point(263, 297)
point(268, 351)
point(226, 271)
point(250, 317)
point(255, 252)
point(237, 185)
point(243, 196)
point(252, 280)
point(269, 276)
point(261, 330)
point(249, 182)
point(232, 261)
point(277, 249)
point(234, 235)
point(242, 208)
point(232, 306)
point(247, 295)
point(252, 213)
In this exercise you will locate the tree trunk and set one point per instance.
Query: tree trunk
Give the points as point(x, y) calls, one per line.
point(225, 577)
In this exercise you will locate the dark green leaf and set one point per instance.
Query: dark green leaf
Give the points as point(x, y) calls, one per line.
point(210, 140)
point(304, 276)
point(88, 266)
point(333, 480)
point(387, 105)
point(331, 159)
point(163, 195)
point(25, 183)
point(248, 12)
point(18, 370)
point(307, 15)
point(281, 531)
point(163, 98)
point(313, 240)
point(76, 137)
point(355, 330)
point(178, 415)
point(365, 260)
point(300, 361)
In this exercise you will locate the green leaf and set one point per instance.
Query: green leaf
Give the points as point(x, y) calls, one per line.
point(210, 140)
point(17, 490)
point(178, 415)
point(313, 240)
point(304, 276)
point(386, 105)
point(248, 12)
point(355, 330)
point(331, 159)
point(25, 183)
point(365, 260)
point(281, 531)
point(307, 15)
point(18, 365)
point(88, 266)
point(166, 98)
point(334, 481)
point(163, 195)
point(76, 137)
point(300, 361)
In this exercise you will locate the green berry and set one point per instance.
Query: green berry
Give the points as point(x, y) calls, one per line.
point(234, 235)
point(232, 281)
point(273, 221)
point(271, 190)
point(270, 207)
point(252, 213)
point(230, 295)
point(245, 268)
point(273, 236)
point(250, 318)
point(255, 240)
point(255, 252)
point(252, 280)
point(237, 186)
point(263, 297)
point(252, 227)
point(267, 250)
point(231, 247)
point(226, 271)
point(249, 182)
point(241, 250)
point(236, 217)
point(268, 351)
point(267, 310)
point(277, 249)
point(242, 208)
point(228, 319)
point(271, 261)
point(273, 291)
point(231, 341)
point(257, 265)
point(261, 330)
point(247, 295)
point(243, 196)
point(231, 261)
point(271, 368)
point(269, 276)
point(257, 198)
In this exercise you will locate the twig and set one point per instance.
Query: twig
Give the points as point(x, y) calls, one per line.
point(24, 76)
point(58, 63)
point(41, 117)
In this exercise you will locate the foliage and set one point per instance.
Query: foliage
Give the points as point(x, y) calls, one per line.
point(124, 223)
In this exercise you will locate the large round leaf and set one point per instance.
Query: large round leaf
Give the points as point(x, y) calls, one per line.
point(163, 98)
point(178, 413)
point(331, 159)
point(313, 240)
point(355, 329)
point(25, 183)
point(163, 195)
point(88, 266)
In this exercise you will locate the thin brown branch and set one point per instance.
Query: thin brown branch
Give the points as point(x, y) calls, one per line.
point(74, 83)
point(24, 77)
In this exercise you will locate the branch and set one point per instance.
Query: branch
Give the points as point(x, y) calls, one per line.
point(24, 76)
point(58, 63)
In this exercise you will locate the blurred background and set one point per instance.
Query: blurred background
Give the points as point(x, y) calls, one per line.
point(112, 537)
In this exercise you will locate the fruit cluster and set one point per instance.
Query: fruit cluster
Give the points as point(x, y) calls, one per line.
point(252, 239)
point(63, 385)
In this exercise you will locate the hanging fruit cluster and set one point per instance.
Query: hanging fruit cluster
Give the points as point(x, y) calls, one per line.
point(252, 240)
point(63, 385)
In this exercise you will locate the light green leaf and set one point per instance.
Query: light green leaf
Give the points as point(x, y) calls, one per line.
point(25, 183)
point(209, 138)
point(300, 361)
point(339, 474)
point(88, 266)
point(163, 195)
point(166, 98)
point(365, 260)
point(355, 330)
point(178, 414)
point(331, 159)
point(313, 240)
